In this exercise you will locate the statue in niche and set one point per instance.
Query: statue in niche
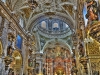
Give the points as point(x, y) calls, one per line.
point(9, 51)
point(92, 13)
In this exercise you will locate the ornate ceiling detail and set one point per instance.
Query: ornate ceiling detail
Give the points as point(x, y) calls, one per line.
point(21, 8)
point(33, 4)
point(37, 18)
point(54, 28)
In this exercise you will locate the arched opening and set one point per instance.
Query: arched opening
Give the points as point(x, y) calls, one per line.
point(57, 60)
point(43, 24)
point(15, 66)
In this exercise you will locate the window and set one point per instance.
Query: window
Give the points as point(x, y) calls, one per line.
point(55, 26)
point(21, 22)
point(43, 24)
point(84, 14)
point(66, 25)
point(19, 41)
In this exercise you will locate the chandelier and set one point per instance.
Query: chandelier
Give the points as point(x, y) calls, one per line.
point(33, 4)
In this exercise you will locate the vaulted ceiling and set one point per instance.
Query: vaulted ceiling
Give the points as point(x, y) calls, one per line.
point(63, 9)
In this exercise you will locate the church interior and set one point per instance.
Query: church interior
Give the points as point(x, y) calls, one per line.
point(49, 37)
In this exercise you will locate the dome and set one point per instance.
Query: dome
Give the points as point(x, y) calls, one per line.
point(53, 27)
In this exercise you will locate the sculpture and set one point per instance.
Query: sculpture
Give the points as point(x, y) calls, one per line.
point(92, 13)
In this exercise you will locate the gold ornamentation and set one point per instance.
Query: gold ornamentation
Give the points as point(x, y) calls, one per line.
point(95, 64)
point(69, 8)
point(93, 48)
point(27, 12)
point(33, 4)
point(50, 13)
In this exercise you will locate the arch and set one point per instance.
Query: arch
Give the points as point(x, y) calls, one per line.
point(43, 24)
point(42, 16)
point(60, 41)
point(1, 49)
point(17, 58)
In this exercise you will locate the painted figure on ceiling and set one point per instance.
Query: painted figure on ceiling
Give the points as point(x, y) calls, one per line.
point(92, 13)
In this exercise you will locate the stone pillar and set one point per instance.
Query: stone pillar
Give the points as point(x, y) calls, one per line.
point(4, 36)
point(1, 24)
point(21, 72)
point(61, 25)
point(49, 25)
point(83, 33)
point(0, 66)
point(3, 68)
point(40, 67)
